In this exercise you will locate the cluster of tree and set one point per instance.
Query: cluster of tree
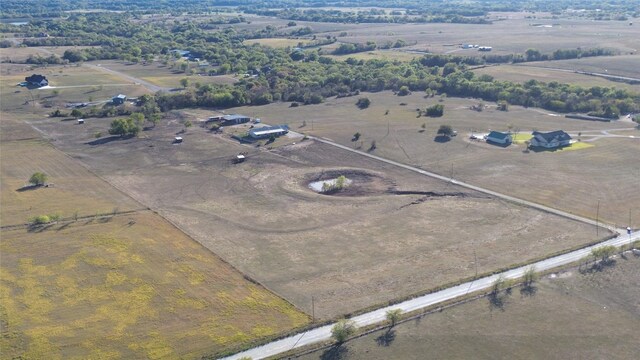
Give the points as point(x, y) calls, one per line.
point(130, 126)
point(348, 48)
point(436, 110)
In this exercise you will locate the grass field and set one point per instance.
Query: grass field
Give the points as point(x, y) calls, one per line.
point(379, 54)
point(522, 73)
point(569, 180)
point(277, 42)
point(124, 286)
point(572, 316)
point(164, 76)
point(349, 252)
point(512, 35)
point(625, 65)
point(69, 84)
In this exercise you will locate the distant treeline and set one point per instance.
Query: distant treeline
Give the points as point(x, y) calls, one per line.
point(435, 10)
point(529, 55)
point(303, 76)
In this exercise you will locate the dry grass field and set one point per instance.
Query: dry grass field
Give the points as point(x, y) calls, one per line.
point(276, 42)
point(68, 84)
point(624, 65)
point(379, 54)
point(608, 172)
point(125, 286)
point(572, 316)
point(513, 35)
point(161, 75)
point(524, 72)
point(349, 252)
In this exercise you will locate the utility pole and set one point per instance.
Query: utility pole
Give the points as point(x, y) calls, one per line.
point(597, 217)
point(313, 310)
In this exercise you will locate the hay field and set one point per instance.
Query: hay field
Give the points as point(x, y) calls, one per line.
point(349, 252)
point(570, 180)
point(131, 287)
point(572, 316)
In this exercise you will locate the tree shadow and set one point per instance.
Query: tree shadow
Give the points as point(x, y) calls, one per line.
point(38, 228)
point(105, 140)
point(64, 226)
point(497, 300)
point(600, 266)
point(29, 188)
point(528, 290)
point(386, 338)
point(336, 352)
point(442, 139)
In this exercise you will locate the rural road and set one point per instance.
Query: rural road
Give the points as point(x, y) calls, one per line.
point(472, 187)
point(323, 333)
point(148, 85)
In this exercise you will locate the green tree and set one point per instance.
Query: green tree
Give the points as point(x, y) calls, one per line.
point(393, 316)
point(356, 136)
point(445, 130)
point(341, 331)
point(530, 276)
point(38, 179)
point(184, 82)
point(124, 127)
point(436, 110)
point(363, 103)
point(404, 91)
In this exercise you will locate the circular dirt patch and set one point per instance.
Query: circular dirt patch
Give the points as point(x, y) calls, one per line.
point(358, 182)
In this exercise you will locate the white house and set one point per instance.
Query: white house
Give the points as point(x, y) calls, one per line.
point(550, 140)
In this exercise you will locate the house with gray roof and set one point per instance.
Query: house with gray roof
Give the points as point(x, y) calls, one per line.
point(550, 140)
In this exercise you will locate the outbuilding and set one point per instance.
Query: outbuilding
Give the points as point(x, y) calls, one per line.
point(119, 99)
point(502, 138)
point(268, 131)
point(234, 119)
point(80, 121)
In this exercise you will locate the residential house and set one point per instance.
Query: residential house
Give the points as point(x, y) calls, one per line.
point(36, 80)
point(234, 119)
point(550, 140)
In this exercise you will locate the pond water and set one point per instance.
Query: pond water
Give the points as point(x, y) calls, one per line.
point(317, 185)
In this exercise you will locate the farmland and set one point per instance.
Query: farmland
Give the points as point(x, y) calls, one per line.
point(160, 241)
point(526, 72)
point(562, 179)
point(112, 279)
point(505, 36)
point(573, 315)
point(273, 228)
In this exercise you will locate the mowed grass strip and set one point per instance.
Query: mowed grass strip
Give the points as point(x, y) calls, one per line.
point(127, 287)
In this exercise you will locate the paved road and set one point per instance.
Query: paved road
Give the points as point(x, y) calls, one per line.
point(377, 316)
point(469, 186)
point(148, 85)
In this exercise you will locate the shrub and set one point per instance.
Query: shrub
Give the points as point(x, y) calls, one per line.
point(436, 110)
point(38, 179)
point(363, 103)
point(40, 220)
point(445, 130)
point(342, 330)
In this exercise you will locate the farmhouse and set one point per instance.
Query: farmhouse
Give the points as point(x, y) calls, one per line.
point(181, 53)
point(550, 140)
point(498, 137)
point(268, 131)
point(36, 80)
point(119, 99)
point(233, 119)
